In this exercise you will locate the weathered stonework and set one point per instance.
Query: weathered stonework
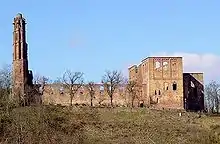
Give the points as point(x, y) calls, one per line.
point(21, 76)
point(158, 76)
point(161, 80)
point(57, 94)
point(193, 91)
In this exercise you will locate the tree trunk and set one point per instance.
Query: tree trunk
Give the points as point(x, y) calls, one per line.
point(111, 101)
point(217, 107)
point(132, 102)
point(71, 100)
point(91, 102)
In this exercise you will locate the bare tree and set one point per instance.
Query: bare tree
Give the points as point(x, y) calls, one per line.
point(5, 76)
point(132, 88)
point(73, 82)
point(39, 79)
point(111, 81)
point(5, 80)
point(42, 81)
point(5, 85)
point(91, 88)
point(57, 81)
point(212, 91)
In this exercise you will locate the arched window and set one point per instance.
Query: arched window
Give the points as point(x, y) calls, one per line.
point(174, 86)
point(157, 64)
point(165, 65)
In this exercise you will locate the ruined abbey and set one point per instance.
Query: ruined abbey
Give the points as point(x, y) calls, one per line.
point(162, 82)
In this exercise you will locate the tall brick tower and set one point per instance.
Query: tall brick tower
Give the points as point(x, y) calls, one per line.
point(20, 59)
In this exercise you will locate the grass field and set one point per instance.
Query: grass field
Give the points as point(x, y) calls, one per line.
point(55, 124)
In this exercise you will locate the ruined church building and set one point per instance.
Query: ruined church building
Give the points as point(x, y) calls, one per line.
point(162, 81)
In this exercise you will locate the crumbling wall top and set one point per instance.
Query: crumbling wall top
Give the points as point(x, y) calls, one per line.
point(19, 15)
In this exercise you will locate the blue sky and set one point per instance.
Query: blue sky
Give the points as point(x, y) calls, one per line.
point(94, 35)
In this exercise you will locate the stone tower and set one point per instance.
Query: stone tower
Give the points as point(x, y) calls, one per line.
point(161, 80)
point(20, 73)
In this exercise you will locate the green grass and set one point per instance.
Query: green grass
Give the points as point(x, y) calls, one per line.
point(55, 124)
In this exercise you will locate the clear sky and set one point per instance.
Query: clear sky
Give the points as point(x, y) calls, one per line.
point(92, 36)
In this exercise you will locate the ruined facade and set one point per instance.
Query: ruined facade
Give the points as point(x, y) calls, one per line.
point(21, 76)
point(160, 82)
point(193, 91)
point(20, 59)
point(22, 79)
point(163, 83)
point(57, 94)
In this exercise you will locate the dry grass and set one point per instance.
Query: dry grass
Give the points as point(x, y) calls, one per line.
point(55, 124)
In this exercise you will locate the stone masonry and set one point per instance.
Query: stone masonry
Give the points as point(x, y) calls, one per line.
point(21, 76)
point(161, 82)
point(57, 94)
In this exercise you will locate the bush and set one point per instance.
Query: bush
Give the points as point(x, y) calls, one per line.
point(61, 124)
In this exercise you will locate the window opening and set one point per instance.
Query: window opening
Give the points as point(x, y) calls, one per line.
point(166, 86)
point(19, 53)
point(61, 90)
point(174, 86)
point(165, 65)
point(157, 65)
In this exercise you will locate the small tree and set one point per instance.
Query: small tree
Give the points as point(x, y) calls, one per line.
point(5, 82)
point(5, 87)
point(132, 89)
point(111, 81)
point(5, 77)
point(72, 81)
point(212, 91)
point(41, 80)
point(91, 88)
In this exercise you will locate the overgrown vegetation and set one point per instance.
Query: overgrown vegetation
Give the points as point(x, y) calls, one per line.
point(56, 124)
point(212, 93)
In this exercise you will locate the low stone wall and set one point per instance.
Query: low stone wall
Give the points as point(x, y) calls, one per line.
point(56, 94)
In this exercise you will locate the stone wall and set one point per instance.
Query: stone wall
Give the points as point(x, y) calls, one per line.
point(165, 82)
point(193, 91)
point(161, 80)
point(56, 94)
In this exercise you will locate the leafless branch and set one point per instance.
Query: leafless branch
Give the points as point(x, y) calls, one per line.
point(111, 81)
point(212, 91)
point(42, 81)
point(5, 77)
point(91, 88)
point(5, 83)
point(72, 81)
point(39, 79)
point(132, 88)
